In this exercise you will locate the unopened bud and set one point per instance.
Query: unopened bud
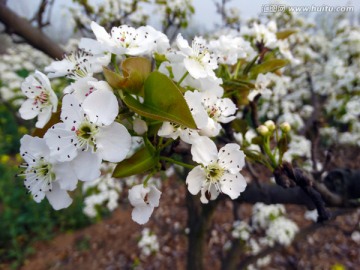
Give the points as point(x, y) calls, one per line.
point(140, 126)
point(285, 127)
point(263, 130)
point(270, 125)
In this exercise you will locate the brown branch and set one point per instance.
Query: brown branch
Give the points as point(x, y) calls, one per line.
point(17, 25)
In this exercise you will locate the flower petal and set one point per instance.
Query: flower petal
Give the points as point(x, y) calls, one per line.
point(113, 142)
point(195, 68)
point(195, 180)
point(65, 175)
point(35, 146)
point(86, 166)
point(141, 214)
point(204, 151)
point(233, 184)
point(71, 112)
point(62, 143)
point(102, 107)
point(231, 157)
point(154, 196)
point(58, 198)
point(28, 110)
point(43, 117)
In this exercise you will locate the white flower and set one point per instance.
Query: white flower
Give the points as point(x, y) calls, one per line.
point(218, 172)
point(43, 176)
point(199, 62)
point(140, 126)
point(41, 101)
point(77, 65)
point(148, 243)
point(144, 199)
point(126, 40)
point(89, 127)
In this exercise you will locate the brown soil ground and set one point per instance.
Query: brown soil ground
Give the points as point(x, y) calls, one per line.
point(112, 243)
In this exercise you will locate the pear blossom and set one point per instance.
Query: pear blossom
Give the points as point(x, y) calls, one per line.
point(144, 200)
point(90, 127)
point(126, 40)
point(77, 65)
point(217, 172)
point(41, 102)
point(45, 177)
point(199, 62)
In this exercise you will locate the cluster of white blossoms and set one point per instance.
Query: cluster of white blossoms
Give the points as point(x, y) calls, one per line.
point(268, 226)
point(15, 63)
point(148, 243)
point(89, 130)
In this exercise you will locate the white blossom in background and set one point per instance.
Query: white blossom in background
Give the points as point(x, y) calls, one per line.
point(261, 84)
point(144, 200)
point(282, 230)
point(148, 243)
point(262, 214)
point(104, 191)
point(241, 230)
point(41, 102)
point(217, 172)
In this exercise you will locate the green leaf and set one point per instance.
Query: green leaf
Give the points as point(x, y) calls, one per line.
point(268, 66)
point(140, 162)
point(285, 34)
point(240, 125)
point(257, 140)
point(114, 79)
point(250, 65)
point(163, 101)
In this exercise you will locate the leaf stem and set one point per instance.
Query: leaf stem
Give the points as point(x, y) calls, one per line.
point(170, 160)
point(183, 78)
point(113, 61)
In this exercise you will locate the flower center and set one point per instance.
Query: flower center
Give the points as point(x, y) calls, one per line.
point(38, 176)
point(43, 98)
point(214, 173)
point(86, 134)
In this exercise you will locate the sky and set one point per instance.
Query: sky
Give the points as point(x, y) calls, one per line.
point(204, 19)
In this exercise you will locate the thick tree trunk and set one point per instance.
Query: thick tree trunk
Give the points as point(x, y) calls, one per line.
point(20, 26)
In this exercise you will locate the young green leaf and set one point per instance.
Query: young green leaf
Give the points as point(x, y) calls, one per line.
point(140, 162)
point(163, 101)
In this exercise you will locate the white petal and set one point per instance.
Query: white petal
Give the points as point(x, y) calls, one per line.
point(58, 198)
point(62, 143)
point(193, 99)
point(141, 214)
point(195, 180)
point(28, 110)
point(233, 184)
point(204, 151)
point(113, 142)
point(100, 32)
point(183, 45)
point(102, 107)
point(35, 147)
point(189, 135)
point(71, 111)
point(86, 166)
point(101, 85)
point(195, 68)
point(65, 175)
point(167, 130)
point(231, 157)
point(154, 196)
point(59, 68)
point(43, 117)
point(135, 195)
point(208, 193)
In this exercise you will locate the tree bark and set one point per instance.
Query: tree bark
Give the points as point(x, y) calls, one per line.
point(22, 27)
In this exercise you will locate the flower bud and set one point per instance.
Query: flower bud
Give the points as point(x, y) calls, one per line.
point(285, 127)
point(140, 126)
point(263, 130)
point(270, 125)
